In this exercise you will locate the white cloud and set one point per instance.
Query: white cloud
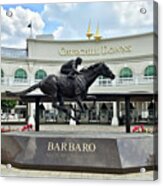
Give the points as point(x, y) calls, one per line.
point(70, 20)
point(14, 30)
point(66, 6)
point(130, 15)
point(58, 32)
point(115, 18)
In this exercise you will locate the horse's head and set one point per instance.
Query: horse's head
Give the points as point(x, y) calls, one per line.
point(106, 72)
point(98, 69)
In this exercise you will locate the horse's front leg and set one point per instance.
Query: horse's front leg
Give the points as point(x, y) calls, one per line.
point(61, 100)
point(79, 102)
point(62, 108)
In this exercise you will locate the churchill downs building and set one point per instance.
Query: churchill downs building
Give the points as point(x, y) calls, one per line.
point(131, 58)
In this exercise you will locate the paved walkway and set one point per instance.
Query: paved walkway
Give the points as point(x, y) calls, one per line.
point(61, 127)
point(76, 175)
point(91, 128)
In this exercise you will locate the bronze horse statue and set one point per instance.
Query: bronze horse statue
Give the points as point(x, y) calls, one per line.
point(60, 87)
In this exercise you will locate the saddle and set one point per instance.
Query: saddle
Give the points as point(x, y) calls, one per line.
point(76, 84)
point(79, 85)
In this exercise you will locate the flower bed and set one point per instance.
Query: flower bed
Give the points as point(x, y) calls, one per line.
point(142, 129)
point(25, 128)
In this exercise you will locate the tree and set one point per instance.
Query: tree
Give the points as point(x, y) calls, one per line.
point(8, 104)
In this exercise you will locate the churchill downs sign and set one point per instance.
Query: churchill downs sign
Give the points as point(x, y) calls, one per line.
point(95, 51)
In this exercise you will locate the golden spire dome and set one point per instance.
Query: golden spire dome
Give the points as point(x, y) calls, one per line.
point(89, 33)
point(97, 36)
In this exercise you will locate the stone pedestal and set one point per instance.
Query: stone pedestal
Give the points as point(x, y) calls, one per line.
point(79, 151)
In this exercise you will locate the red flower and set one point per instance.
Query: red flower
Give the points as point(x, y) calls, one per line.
point(142, 128)
point(135, 129)
point(26, 127)
point(138, 128)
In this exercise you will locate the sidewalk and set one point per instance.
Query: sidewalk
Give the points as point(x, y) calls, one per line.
point(74, 175)
point(61, 127)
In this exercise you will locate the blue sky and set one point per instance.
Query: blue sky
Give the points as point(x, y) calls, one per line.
point(33, 7)
point(69, 21)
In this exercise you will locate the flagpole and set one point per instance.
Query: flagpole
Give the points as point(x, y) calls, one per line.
point(31, 31)
point(31, 35)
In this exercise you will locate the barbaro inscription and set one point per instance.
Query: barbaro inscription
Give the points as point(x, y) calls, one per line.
point(70, 147)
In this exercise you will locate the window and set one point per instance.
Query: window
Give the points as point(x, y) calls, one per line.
point(2, 76)
point(2, 73)
point(103, 81)
point(126, 73)
point(20, 74)
point(150, 71)
point(40, 74)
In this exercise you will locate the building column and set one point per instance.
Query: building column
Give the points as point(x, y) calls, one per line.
point(139, 107)
point(30, 113)
point(128, 117)
point(97, 110)
point(118, 110)
point(115, 121)
point(72, 121)
point(30, 109)
point(37, 114)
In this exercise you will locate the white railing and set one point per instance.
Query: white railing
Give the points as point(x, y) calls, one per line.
point(18, 81)
point(10, 81)
point(139, 80)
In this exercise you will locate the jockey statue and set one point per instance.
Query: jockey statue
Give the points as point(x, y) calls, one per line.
point(70, 68)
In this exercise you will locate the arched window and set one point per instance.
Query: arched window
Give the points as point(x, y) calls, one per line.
point(2, 73)
point(40, 74)
point(150, 71)
point(126, 73)
point(20, 74)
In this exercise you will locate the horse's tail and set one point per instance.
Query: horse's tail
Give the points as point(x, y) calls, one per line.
point(21, 93)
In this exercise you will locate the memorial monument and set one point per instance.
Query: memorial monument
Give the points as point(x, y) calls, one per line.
point(79, 151)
